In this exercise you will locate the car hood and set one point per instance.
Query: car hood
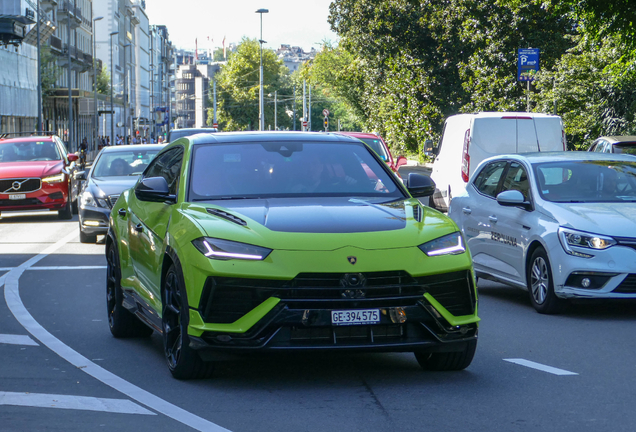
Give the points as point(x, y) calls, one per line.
point(322, 223)
point(112, 185)
point(30, 169)
point(613, 219)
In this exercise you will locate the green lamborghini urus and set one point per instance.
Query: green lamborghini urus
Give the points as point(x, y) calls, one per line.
point(236, 243)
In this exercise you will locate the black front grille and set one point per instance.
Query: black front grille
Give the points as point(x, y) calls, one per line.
point(628, 286)
point(112, 199)
point(626, 241)
point(225, 300)
point(346, 334)
point(20, 203)
point(20, 185)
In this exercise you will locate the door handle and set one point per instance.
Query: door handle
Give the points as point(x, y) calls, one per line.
point(139, 227)
point(467, 210)
point(492, 219)
point(121, 212)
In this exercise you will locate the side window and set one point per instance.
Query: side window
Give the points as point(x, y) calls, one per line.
point(600, 145)
point(168, 166)
point(517, 179)
point(487, 180)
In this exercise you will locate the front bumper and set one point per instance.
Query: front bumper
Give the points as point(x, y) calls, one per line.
point(94, 220)
point(48, 197)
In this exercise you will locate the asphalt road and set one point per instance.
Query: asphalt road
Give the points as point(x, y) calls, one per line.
point(63, 371)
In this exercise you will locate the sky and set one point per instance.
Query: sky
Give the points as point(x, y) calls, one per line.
point(297, 23)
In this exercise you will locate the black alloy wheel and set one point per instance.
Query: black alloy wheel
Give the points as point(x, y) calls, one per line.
point(541, 285)
point(122, 323)
point(184, 362)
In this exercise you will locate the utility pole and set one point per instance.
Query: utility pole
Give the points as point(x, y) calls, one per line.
point(304, 104)
point(309, 111)
point(214, 93)
point(294, 127)
point(39, 128)
point(276, 110)
point(70, 96)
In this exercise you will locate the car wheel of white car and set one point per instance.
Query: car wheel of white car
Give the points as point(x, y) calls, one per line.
point(541, 286)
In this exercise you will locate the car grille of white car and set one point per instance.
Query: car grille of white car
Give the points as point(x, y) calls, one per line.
point(628, 286)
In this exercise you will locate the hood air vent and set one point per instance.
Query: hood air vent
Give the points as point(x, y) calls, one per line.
point(417, 213)
point(227, 216)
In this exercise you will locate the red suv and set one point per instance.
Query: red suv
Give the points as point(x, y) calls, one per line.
point(377, 143)
point(36, 173)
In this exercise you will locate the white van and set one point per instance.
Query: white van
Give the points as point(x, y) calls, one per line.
point(468, 139)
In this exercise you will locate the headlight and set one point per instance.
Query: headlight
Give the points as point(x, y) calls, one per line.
point(224, 249)
point(89, 200)
point(451, 244)
point(570, 237)
point(54, 178)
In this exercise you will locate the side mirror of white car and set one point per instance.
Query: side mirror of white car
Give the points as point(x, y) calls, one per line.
point(513, 198)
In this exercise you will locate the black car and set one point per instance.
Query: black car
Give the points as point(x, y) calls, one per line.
point(180, 133)
point(115, 169)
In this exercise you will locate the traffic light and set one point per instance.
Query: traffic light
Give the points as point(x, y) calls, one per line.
point(326, 123)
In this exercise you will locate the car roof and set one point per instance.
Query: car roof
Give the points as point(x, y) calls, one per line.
point(269, 136)
point(563, 156)
point(627, 139)
point(360, 134)
point(28, 138)
point(118, 148)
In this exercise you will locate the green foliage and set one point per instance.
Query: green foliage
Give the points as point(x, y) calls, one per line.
point(49, 70)
point(238, 89)
point(103, 81)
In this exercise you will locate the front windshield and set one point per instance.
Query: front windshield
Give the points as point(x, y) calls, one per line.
point(587, 181)
point(25, 151)
point(377, 146)
point(288, 169)
point(123, 163)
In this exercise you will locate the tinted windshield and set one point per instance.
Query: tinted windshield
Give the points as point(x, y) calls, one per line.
point(587, 181)
point(376, 145)
point(123, 163)
point(250, 170)
point(29, 151)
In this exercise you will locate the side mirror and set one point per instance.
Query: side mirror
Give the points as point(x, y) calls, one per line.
point(401, 161)
point(513, 198)
point(428, 146)
point(420, 185)
point(154, 189)
point(80, 175)
point(72, 157)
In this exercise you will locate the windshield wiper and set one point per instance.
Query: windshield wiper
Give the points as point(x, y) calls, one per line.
point(222, 198)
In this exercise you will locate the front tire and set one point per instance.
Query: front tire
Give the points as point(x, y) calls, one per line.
point(122, 323)
point(541, 285)
point(184, 362)
point(67, 212)
point(447, 361)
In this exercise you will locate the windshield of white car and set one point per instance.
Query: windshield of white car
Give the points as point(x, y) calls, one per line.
point(26, 151)
point(288, 169)
point(586, 181)
point(123, 163)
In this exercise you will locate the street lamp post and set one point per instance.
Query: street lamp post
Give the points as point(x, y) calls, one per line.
point(70, 96)
point(112, 105)
point(39, 73)
point(95, 84)
point(125, 95)
point(261, 116)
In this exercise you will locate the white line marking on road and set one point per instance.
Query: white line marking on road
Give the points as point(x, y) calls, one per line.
point(539, 366)
point(17, 340)
point(86, 403)
point(14, 302)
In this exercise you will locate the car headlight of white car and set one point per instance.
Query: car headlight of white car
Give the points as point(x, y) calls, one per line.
point(571, 239)
point(451, 244)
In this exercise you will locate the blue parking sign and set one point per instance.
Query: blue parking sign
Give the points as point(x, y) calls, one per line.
point(527, 64)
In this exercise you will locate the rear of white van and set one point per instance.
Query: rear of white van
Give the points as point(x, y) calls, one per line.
point(468, 139)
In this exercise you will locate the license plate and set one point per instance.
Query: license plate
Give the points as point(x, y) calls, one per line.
point(355, 317)
point(17, 196)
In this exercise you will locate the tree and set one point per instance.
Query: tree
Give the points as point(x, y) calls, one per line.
point(103, 81)
point(49, 70)
point(238, 89)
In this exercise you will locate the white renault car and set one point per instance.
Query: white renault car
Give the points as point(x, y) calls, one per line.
point(560, 224)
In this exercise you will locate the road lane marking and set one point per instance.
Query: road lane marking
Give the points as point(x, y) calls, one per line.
point(58, 268)
point(86, 403)
point(17, 340)
point(539, 366)
point(14, 302)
